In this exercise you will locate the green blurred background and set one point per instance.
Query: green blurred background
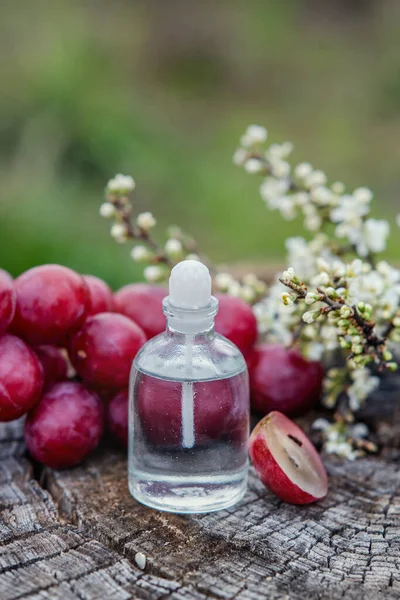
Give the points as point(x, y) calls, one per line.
point(162, 90)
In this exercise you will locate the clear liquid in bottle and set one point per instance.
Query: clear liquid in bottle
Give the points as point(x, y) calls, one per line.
point(189, 414)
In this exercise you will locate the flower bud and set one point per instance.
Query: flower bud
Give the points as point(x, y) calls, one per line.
point(119, 232)
point(154, 273)
point(357, 349)
point(141, 254)
point(310, 316)
point(173, 248)
point(345, 311)
point(288, 274)
point(387, 355)
point(145, 221)
point(311, 297)
point(121, 184)
point(253, 165)
point(107, 210)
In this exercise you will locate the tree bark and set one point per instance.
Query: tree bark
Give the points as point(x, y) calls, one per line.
point(75, 534)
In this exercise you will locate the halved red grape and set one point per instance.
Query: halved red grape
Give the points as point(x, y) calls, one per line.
point(8, 300)
point(54, 364)
point(117, 417)
point(103, 350)
point(101, 296)
point(52, 303)
point(66, 425)
point(282, 379)
point(286, 461)
point(236, 321)
point(142, 303)
point(21, 378)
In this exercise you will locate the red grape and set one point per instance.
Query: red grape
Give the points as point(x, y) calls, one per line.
point(54, 364)
point(21, 378)
point(8, 300)
point(52, 303)
point(117, 417)
point(159, 404)
point(101, 296)
point(103, 350)
point(236, 321)
point(66, 425)
point(142, 303)
point(282, 379)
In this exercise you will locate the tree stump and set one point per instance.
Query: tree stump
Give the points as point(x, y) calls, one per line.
point(74, 534)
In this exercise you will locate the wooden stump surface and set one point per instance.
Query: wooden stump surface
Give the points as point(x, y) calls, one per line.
point(74, 534)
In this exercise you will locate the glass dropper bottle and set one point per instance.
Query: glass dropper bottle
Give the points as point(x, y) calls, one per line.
point(189, 406)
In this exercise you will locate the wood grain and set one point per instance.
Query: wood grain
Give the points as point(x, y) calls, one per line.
point(75, 534)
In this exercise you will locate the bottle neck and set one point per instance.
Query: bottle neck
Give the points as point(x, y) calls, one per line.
point(199, 337)
point(192, 322)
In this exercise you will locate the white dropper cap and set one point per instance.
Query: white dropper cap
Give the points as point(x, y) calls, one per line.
point(190, 307)
point(190, 285)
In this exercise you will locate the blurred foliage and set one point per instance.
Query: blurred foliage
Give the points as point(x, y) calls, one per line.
point(163, 90)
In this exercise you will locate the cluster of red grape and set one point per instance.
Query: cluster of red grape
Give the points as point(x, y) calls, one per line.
point(66, 348)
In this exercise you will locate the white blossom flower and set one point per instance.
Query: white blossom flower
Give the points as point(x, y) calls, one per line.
point(247, 293)
point(275, 320)
point(359, 431)
point(363, 385)
point(145, 221)
point(118, 232)
point(279, 151)
point(121, 184)
point(240, 156)
point(372, 237)
point(153, 273)
point(253, 165)
point(300, 255)
point(287, 299)
point(321, 195)
point(329, 337)
point(255, 134)
point(301, 198)
point(173, 248)
point(272, 190)
point(303, 170)
point(250, 279)
point(315, 178)
point(320, 424)
point(140, 254)
point(288, 274)
point(320, 279)
point(280, 168)
point(234, 289)
point(287, 208)
point(223, 281)
point(338, 187)
point(363, 195)
point(313, 223)
point(349, 214)
point(107, 210)
point(314, 351)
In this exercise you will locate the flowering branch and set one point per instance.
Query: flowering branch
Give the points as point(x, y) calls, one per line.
point(355, 305)
point(179, 246)
point(355, 328)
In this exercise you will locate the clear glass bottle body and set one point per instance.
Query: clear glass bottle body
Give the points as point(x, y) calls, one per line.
point(188, 423)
